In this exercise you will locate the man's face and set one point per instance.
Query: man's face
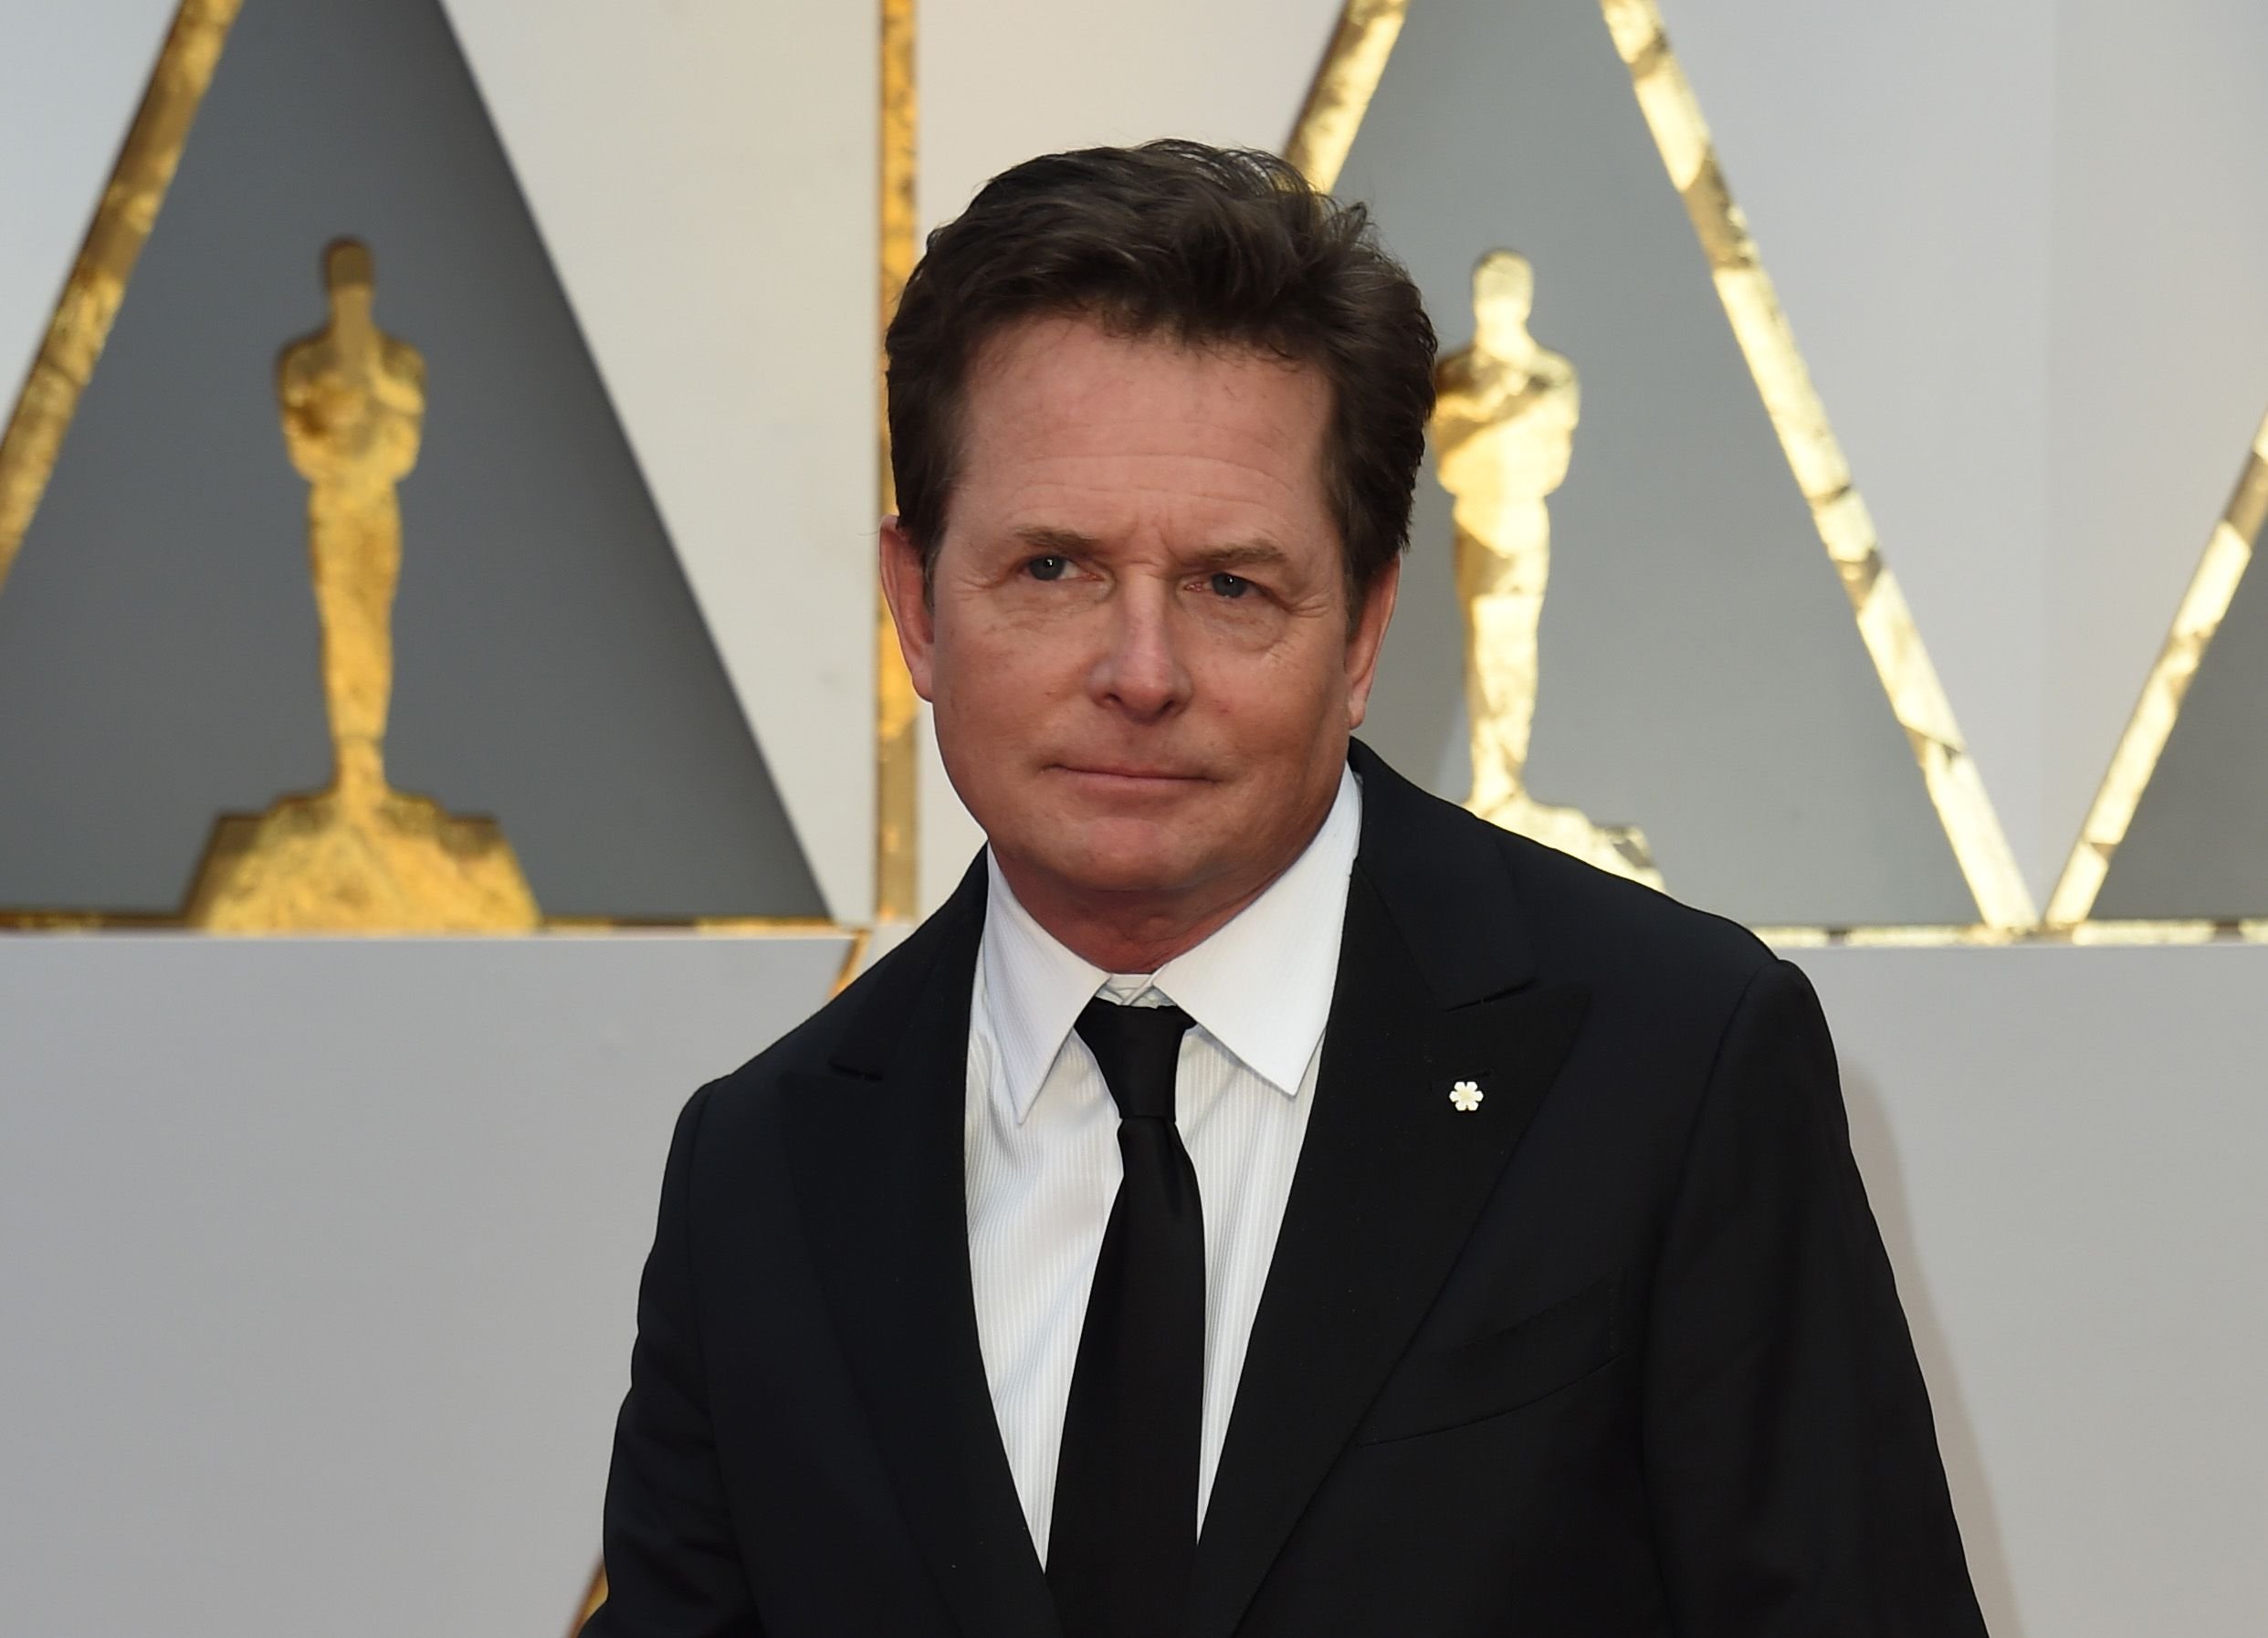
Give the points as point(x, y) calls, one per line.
point(1139, 649)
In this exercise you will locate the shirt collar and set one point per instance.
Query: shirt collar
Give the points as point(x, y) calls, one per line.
point(1261, 986)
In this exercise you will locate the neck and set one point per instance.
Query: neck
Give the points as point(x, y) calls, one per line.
point(1127, 932)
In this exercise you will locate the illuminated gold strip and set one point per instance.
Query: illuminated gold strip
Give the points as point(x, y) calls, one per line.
point(853, 961)
point(2228, 553)
point(85, 921)
point(1343, 87)
point(897, 880)
point(722, 927)
point(2090, 933)
point(111, 921)
point(770, 927)
point(106, 261)
point(1929, 938)
point(2246, 931)
point(1891, 938)
point(1797, 937)
point(2120, 933)
point(592, 1600)
point(1884, 622)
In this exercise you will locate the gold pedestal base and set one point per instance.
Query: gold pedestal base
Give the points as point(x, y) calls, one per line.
point(393, 862)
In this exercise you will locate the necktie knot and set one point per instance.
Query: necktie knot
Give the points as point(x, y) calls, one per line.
point(1139, 1049)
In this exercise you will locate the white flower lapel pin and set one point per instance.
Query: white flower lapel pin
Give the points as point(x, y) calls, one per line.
point(1466, 1096)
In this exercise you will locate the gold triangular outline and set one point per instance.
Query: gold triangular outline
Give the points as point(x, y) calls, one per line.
point(1337, 101)
point(96, 285)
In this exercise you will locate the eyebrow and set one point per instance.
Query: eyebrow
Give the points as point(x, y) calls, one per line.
point(1243, 554)
point(1042, 537)
point(1238, 555)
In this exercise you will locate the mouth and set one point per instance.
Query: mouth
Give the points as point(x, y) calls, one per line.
point(1130, 775)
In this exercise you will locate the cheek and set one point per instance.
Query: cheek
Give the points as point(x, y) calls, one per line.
point(1001, 671)
point(1278, 700)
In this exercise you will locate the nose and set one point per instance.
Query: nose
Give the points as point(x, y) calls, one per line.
point(1141, 671)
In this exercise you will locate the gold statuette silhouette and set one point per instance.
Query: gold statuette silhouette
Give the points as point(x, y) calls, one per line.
point(357, 856)
point(1504, 431)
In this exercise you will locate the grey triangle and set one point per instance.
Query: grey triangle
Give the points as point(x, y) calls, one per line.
point(2197, 847)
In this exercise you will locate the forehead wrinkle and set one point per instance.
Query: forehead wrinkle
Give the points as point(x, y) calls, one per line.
point(1066, 452)
point(1279, 496)
point(1134, 442)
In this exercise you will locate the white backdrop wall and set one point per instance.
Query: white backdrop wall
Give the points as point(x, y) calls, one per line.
point(318, 1262)
point(2064, 1148)
point(672, 155)
point(2017, 248)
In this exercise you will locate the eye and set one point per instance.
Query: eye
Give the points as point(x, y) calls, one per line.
point(1230, 585)
point(1050, 567)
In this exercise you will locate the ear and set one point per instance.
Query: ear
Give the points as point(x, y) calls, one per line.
point(1362, 642)
point(909, 600)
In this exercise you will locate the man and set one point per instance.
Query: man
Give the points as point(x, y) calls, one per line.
point(1266, 1199)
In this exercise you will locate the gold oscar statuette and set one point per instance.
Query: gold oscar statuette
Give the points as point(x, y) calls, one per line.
point(1504, 432)
point(357, 856)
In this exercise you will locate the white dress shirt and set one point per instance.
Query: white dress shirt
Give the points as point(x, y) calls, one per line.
point(1042, 1144)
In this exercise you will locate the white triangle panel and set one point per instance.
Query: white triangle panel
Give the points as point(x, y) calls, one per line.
point(704, 179)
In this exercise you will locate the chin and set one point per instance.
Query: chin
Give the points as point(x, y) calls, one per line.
point(1120, 856)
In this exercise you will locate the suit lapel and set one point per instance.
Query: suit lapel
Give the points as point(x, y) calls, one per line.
point(879, 1173)
point(1434, 987)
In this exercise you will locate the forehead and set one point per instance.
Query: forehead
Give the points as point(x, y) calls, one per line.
point(1058, 409)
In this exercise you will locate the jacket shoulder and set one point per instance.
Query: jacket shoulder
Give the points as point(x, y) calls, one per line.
point(1573, 921)
point(812, 1046)
point(852, 1032)
point(1586, 915)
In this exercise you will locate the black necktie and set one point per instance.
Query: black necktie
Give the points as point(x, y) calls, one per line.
point(1125, 1525)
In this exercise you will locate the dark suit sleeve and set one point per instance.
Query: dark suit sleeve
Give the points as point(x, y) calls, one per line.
point(1792, 1463)
point(673, 1569)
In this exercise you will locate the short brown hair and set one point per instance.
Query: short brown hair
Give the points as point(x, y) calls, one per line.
point(1213, 245)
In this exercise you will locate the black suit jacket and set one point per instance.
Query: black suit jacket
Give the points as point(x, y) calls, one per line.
point(1616, 1353)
